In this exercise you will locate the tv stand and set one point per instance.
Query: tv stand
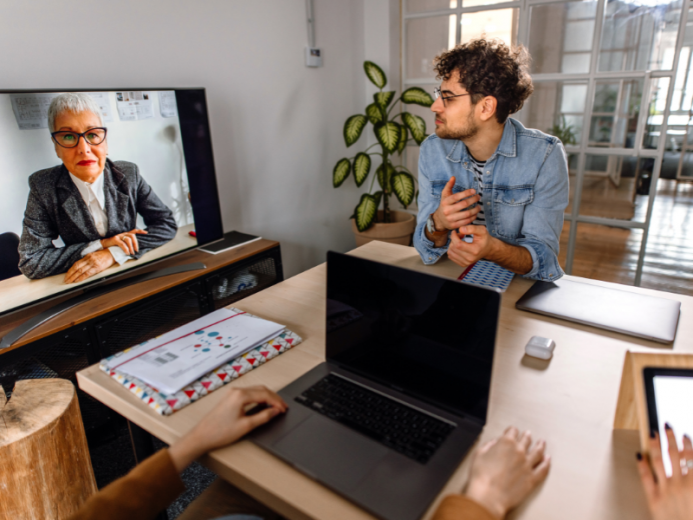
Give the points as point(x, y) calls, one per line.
point(113, 317)
point(18, 332)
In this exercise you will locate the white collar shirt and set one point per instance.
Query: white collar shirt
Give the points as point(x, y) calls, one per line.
point(95, 199)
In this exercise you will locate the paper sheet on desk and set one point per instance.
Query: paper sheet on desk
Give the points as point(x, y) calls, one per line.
point(185, 354)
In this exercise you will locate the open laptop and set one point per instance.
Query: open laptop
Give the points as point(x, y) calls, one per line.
point(403, 393)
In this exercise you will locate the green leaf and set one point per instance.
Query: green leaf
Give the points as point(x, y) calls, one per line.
point(388, 135)
point(375, 74)
point(402, 139)
point(383, 98)
point(362, 167)
point(385, 180)
point(374, 114)
point(340, 172)
point(365, 212)
point(404, 187)
point(417, 96)
point(353, 128)
point(416, 125)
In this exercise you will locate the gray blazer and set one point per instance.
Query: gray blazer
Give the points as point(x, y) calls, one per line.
point(56, 208)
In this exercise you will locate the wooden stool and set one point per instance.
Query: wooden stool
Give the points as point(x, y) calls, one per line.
point(45, 469)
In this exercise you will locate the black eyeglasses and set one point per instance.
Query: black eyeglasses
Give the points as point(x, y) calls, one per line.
point(437, 94)
point(92, 136)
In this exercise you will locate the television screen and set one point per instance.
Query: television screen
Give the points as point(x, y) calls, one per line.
point(100, 182)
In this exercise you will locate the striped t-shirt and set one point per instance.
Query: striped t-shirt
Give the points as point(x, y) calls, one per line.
point(478, 168)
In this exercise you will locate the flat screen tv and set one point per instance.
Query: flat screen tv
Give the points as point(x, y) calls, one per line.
point(81, 170)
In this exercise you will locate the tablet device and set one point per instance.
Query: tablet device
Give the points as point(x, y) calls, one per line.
point(669, 393)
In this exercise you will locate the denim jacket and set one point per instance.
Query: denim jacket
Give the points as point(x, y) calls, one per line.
point(525, 192)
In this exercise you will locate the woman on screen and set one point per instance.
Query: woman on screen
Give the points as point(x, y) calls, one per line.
point(89, 201)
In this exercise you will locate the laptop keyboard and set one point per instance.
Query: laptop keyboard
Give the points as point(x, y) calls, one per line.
point(406, 430)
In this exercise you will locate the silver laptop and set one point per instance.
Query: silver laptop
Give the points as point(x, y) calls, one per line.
point(631, 313)
point(403, 394)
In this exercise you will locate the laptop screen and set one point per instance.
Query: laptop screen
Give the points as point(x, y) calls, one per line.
point(430, 337)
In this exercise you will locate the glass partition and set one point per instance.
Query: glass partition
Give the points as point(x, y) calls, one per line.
point(561, 36)
point(639, 35)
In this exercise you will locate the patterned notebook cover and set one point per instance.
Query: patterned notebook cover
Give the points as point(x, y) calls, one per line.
point(488, 274)
point(167, 404)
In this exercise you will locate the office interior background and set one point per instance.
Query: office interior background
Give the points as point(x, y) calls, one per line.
point(612, 79)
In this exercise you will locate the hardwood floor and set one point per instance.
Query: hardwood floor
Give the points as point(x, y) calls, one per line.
point(611, 254)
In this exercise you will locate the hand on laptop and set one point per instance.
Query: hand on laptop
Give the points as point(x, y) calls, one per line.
point(226, 423)
point(668, 498)
point(505, 470)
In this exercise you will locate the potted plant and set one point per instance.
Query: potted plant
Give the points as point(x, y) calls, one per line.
point(368, 222)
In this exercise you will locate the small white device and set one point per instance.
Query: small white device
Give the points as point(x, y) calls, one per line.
point(539, 347)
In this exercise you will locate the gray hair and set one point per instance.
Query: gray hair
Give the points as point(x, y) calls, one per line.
point(75, 102)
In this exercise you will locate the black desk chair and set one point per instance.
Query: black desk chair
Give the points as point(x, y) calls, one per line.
point(9, 255)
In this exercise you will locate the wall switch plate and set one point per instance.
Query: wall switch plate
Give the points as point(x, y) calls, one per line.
point(313, 57)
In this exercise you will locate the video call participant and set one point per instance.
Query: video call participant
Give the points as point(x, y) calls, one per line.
point(504, 471)
point(489, 188)
point(89, 201)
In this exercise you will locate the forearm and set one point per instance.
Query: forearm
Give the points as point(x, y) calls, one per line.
point(189, 448)
point(514, 258)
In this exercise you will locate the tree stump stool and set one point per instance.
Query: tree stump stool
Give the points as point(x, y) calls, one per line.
point(45, 468)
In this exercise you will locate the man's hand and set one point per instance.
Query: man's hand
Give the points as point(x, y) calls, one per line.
point(226, 423)
point(126, 241)
point(505, 470)
point(517, 259)
point(669, 498)
point(90, 265)
point(454, 210)
point(464, 253)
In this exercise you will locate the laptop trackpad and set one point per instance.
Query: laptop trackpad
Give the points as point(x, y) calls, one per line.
point(330, 452)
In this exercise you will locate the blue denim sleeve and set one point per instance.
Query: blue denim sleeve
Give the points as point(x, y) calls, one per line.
point(427, 204)
point(543, 218)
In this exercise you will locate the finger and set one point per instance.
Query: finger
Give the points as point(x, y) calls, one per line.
point(135, 244)
point(511, 433)
point(262, 394)
point(447, 190)
point(128, 240)
point(688, 454)
point(122, 245)
point(455, 239)
point(674, 455)
point(461, 196)
point(76, 269)
point(139, 232)
point(132, 242)
point(463, 204)
point(542, 470)
point(536, 454)
point(647, 479)
point(253, 421)
point(526, 440)
point(462, 211)
point(473, 230)
point(656, 460)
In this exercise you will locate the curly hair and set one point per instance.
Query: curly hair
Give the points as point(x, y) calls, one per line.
point(490, 68)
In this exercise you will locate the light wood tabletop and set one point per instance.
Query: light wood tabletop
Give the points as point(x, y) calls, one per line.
point(569, 401)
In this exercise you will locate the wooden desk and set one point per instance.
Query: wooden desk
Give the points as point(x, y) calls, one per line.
point(569, 401)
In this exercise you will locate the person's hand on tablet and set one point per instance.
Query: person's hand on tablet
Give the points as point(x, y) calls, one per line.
point(669, 498)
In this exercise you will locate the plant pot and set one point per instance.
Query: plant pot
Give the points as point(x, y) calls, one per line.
point(399, 231)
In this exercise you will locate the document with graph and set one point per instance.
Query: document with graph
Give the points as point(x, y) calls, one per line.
point(179, 357)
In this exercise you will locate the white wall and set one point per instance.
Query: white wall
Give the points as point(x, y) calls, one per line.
point(276, 125)
point(153, 144)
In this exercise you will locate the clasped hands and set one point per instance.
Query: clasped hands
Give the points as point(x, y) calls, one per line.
point(456, 215)
point(97, 261)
